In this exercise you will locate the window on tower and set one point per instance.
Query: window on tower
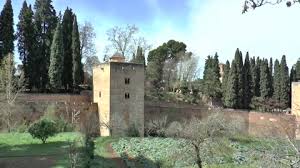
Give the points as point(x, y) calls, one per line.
point(127, 81)
point(127, 96)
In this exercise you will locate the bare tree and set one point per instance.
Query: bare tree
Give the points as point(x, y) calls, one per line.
point(125, 40)
point(11, 86)
point(253, 4)
point(87, 40)
point(202, 134)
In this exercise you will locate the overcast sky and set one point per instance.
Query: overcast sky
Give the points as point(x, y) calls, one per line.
point(206, 26)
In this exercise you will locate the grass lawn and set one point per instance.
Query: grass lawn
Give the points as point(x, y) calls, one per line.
point(22, 148)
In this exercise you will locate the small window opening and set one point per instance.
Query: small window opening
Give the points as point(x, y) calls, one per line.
point(99, 94)
point(127, 81)
point(127, 96)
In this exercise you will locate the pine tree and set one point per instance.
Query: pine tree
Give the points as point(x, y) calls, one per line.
point(247, 96)
point(67, 27)
point(45, 23)
point(77, 65)
point(265, 89)
point(26, 48)
point(284, 83)
point(7, 29)
point(232, 88)
point(56, 59)
point(276, 81)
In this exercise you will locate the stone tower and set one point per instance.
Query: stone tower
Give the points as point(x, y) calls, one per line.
point(118, 89)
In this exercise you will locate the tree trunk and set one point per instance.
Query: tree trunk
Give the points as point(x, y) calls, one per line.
point(198, 160)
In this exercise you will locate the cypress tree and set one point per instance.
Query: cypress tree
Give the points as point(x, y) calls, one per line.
point(211, 77)
point(253, 76)
point(56, 59)
point(139, 57)
point(257, 77)
point(247, 96)
point(240, 75)
point(276, 81)
point(225, 80)
point(297, 70)
point(25, 36)
point(67, 27)
point(284, 83)
point(271, 77)
point(7, 29)
point(231, 96)
point(45, 23)
point(77, 65)
point(293, 75)
point(265, 89)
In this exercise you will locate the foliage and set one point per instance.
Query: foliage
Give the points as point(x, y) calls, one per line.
point(56, 60)
point(76, 56)
point(6, 29)
point(211, 77)
point(67, 27)
point(251, 4)
point(45, 22)
point(25, 35)
point(247, 82)
point(42, 130)
point(133, 131)
point(156, 128)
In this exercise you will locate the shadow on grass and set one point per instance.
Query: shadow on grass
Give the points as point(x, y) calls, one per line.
point(50, 148)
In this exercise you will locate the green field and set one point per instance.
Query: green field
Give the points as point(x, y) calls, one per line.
point(21, 150)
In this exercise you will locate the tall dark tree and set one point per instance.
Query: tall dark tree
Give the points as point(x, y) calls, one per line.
point(56, 59)
point(45, 24)
point(231, 96)
point(225, 79)
point(67, 27)
point(253, 76)
point(256, 83)
point(26, 48)
point(247, 96)
point(139, 57)
point(211, 77)
point(276, 81)
point(265, 83)
point(7, 29)
point(293, 75)
point(284, 83)
point(240, 75)
point(297, 70)
point(77, 64)
point(271, 76)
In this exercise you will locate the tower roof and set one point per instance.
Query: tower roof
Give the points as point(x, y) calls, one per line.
point(117, 57)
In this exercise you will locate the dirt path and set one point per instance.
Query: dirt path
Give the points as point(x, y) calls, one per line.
point(119, 162)
point(27, 162)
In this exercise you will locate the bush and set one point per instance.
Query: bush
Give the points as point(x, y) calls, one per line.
point(63, 126)
point(88, 154)
point(43, 129)
point(133, 131)
point(157, 128)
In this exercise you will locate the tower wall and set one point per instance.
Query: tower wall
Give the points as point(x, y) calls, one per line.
point(121, 104)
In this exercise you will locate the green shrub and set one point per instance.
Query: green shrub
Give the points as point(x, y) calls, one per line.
point(133, 131)
point(88, 154)
point(43, 129)
point(63, 126)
